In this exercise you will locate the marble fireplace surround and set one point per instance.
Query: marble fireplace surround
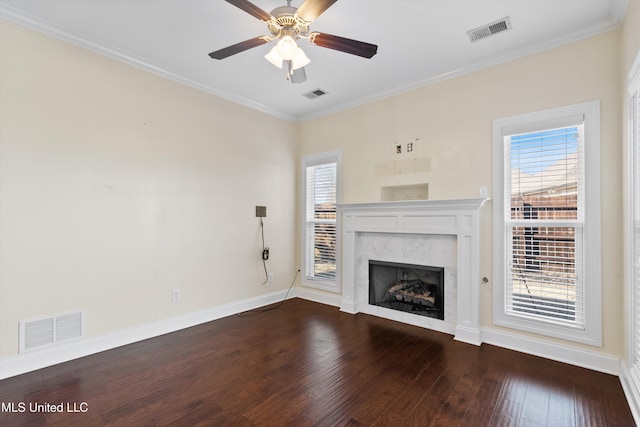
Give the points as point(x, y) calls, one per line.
point(445, 232)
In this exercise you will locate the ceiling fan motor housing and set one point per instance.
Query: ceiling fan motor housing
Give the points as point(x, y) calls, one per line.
point(285, 18)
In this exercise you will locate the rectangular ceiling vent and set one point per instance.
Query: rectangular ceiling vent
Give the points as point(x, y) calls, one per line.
point(317, 93)
point(46, 331)
point(485, 31)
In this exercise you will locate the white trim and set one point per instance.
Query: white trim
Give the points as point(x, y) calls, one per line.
point(14, 15)
point(18, 17)
point(631, 392)
point(633, 83)
point(318, 296)
point(630, 383)
point(558, 352)
point(552, 123)
point(528, 345)
point(633, 86)
point(564, 39)
point(618, 10)
point(315, 160)
point(459, 218)
point(53, 355)
point(592, 334)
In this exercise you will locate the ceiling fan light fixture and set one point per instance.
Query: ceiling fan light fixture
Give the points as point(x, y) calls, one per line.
point(300, 59)
point(287, 48)
point(274, 57)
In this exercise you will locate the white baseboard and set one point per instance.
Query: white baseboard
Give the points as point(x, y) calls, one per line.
point(37, 359)
point(317, 296)
point(468, 335)
point(631, 392)
point(570, 355)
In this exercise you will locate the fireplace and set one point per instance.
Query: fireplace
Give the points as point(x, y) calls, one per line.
point(417, 289)
point(444, 233)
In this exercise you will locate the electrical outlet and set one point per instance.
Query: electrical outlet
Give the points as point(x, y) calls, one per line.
point(483, 191)
point(175, 295)
point(270, 277)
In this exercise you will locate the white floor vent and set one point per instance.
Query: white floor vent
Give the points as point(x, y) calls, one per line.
point(489, 29)
point(46, 331)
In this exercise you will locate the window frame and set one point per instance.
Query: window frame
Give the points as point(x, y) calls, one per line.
point(591, 330)
point(632, 255)
point(309, 161)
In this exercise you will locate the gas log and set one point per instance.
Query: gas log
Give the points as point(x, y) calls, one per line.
point(412, 291)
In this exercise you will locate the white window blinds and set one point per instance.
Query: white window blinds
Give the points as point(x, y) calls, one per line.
point(320, 227)
point(544, 218)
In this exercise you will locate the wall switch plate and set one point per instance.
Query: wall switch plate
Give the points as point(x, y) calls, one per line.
point(261, 211)
point(483, 191)
point(270, 277)
point(175, 295)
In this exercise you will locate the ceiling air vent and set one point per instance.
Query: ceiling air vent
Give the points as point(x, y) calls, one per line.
point(314, 94)
point(485, 31)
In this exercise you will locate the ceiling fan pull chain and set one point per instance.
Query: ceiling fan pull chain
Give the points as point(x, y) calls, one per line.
point(289, 68)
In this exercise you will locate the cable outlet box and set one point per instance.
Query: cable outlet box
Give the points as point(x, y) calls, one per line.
point(261, 211)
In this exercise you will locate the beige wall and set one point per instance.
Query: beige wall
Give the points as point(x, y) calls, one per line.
point(453, 121)
point(117, 186)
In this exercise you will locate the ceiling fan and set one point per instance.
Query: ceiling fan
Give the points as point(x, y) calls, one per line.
point(287, 24)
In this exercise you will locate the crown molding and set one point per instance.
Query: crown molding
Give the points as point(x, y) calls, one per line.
point(596, 28)
point(26, 20)
point(618, 9)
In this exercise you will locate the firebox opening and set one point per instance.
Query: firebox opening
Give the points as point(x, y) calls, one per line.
point(417, 289)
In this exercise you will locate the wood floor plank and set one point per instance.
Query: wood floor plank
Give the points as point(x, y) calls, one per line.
point(562, 408)
point(535, 407)
point(455, 408)
point(307, 364)
point(507, 413)
point(483, 406)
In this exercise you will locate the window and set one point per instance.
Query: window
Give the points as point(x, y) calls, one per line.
point(547, 223)
point(320, 226)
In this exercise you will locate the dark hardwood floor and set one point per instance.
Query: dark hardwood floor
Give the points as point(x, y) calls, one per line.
point(306, 364)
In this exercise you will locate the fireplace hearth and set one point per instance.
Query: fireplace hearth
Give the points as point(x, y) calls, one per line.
point(416, 289)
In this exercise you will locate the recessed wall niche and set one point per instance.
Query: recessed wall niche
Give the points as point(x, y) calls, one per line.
point(404, 192)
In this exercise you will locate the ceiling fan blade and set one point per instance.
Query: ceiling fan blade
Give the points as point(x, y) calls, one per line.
point(251, 9)
point(238, 47)
point(354, 47)
point(311, 9)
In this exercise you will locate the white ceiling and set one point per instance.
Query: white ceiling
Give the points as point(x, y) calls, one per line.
point(419, 42)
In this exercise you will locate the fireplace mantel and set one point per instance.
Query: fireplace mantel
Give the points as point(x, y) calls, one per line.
point(458, 217)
